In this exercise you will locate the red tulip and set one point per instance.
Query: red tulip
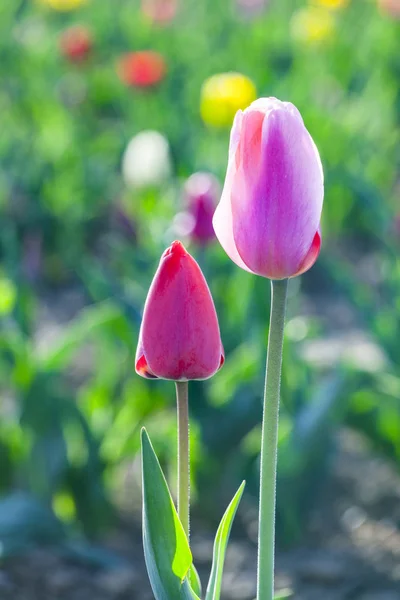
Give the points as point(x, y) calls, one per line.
point(202, 194)
point(179, 337)
point(76, 43)
point(142, 69)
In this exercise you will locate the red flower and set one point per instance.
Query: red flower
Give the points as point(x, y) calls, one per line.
point(76, 43)
point(142, 69)
point(179, 337)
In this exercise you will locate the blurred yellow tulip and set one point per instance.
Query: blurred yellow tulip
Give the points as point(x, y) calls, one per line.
point(63, 5)
point(312, 25)
point(223, 95)
point(333, 4)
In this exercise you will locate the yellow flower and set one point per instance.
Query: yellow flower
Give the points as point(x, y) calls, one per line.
point(63, 5)
point(333, 4)
point(312, 25)
point(223, 95)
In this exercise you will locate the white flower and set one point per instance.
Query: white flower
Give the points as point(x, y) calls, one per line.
point(146, 161)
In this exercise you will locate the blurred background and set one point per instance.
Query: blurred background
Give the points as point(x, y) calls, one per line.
point(115, 119)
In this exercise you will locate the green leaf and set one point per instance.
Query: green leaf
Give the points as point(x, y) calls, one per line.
point(195, 580)
point(283, 595)
point(220, 544)
point(166, 549)
point(90, 321)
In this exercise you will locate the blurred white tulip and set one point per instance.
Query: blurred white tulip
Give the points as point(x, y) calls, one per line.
point(147, 160)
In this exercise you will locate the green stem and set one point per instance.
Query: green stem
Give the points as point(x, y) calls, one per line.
point(269, 443)
point(182, 399)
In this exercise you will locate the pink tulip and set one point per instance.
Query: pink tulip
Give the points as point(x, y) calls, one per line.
point(201, 192)
point(268, 218)
point(179, 337)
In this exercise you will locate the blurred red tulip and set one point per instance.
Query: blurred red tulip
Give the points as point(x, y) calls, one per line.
point(179, 337)
point(76, 43)
point(202, 193)
point(390, 7)
point(142, 69)
point(161, 12)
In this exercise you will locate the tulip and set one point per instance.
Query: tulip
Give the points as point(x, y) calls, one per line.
point(64, 5)
point(179, 337)
point(268, 217)
point(76, 43)
point(390, 7)
point(142, 69)
point(224, 94)
point(160, 12)
point(332, 4)
point(146, 161)
point(201, 192)
point(312, 25)
point(251, 8)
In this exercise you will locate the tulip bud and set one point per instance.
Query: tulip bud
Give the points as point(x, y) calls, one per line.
point(251, 8)
point(146, 161)
point(160, 12)
point(179, 337)
point(201, 192)
point(64, 5)
point(142, 69)
point(390, 8)
point(268, 218)
point(332, 4)
point(76, 43)
point(312, 25)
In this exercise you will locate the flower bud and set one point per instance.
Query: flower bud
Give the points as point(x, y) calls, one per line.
point(201, 194)
point(222, 95)
point(312, 25)
point(146, 161)
point(64, 5)
point(390, 8)
point(76, 43)
point(160, 12)
point(179, 337)
point(268, 218)
point(142, 69)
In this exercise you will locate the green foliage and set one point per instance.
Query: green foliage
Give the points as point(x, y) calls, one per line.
point(220, 544)
point(71, 406)
point(166, 548)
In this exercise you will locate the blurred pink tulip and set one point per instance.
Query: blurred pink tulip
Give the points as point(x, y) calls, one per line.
point(251, 8)
point(390, 7)
point(160, 12)
point(179, 337)
point(268, 218)
point(201, 193)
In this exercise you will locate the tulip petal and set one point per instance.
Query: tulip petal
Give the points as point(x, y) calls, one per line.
point(222, 220)
point(311, 256)
point(141, 366)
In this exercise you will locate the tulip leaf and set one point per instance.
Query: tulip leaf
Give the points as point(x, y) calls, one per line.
point(166, 548)
point(195, 580)
point(220, 544)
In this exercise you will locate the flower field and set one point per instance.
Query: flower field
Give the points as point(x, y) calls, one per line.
point(115, 141)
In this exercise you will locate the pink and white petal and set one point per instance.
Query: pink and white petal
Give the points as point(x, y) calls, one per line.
point(222, 220)
point(311, 256)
